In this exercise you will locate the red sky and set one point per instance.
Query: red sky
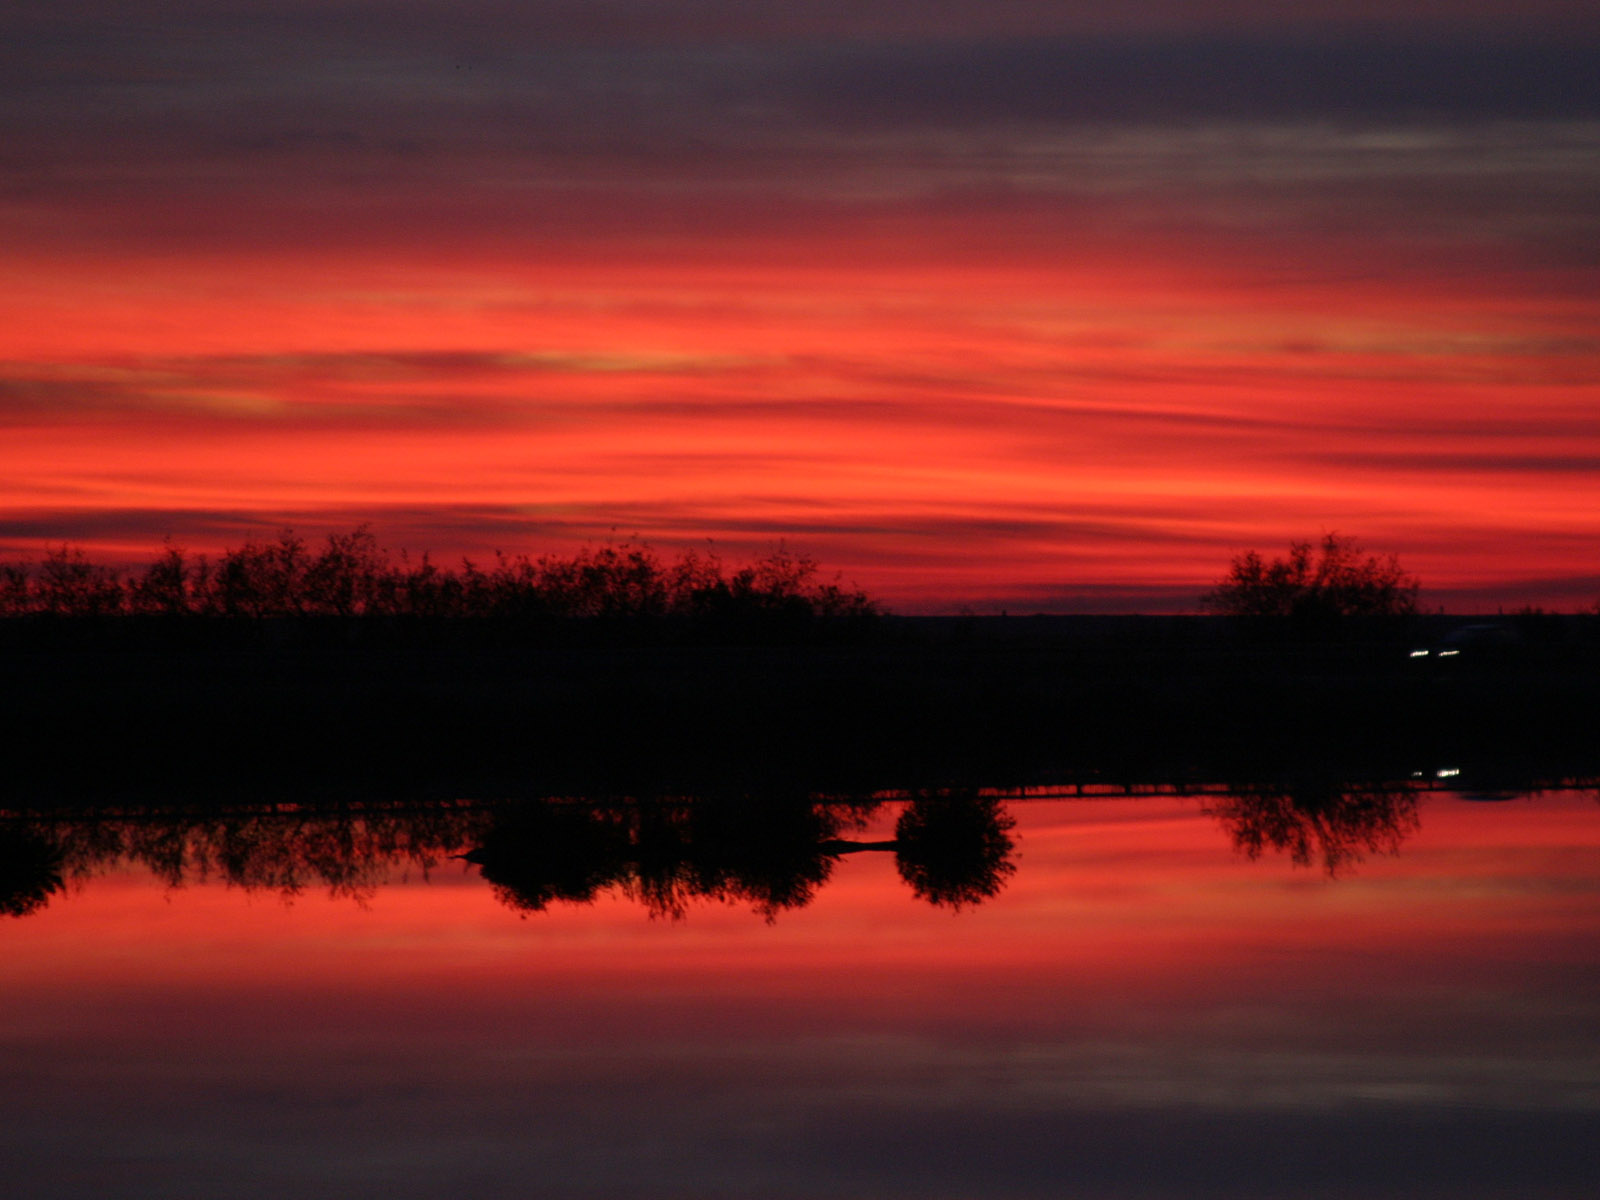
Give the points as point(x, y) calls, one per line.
point(1007, 307)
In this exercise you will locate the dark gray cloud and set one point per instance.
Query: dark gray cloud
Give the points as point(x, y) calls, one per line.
point(281, 87)
point(632, 21)
point(269, 127)
point(1202, 78)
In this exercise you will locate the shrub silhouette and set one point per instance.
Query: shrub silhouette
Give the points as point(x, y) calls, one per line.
point(68, 584)
point(164, 587)
point(1330, 580)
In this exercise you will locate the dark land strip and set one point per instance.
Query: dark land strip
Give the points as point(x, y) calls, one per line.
point(144, 710)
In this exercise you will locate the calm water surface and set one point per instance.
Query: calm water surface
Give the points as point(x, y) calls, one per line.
point(1141, 1011)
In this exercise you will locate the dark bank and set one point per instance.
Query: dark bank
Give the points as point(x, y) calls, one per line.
point(141, 708)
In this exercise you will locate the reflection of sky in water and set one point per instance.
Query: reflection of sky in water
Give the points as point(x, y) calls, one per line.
point(1140, 1012)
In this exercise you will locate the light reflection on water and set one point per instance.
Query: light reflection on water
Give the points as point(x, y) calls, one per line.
point(1137, 1009)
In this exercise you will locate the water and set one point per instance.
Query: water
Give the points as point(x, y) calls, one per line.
point(1129, 1006)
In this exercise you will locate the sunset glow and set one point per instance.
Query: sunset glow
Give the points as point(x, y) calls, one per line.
point(1010, 309)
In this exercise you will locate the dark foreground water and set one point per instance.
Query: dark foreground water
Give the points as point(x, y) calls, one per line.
point(1121, 1003)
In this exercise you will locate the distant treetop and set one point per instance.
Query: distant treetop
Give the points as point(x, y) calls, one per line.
point(1329, 579)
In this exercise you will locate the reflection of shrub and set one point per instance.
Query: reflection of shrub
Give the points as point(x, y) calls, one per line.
point(955, 850)
point(349, 576)
point(30, 871)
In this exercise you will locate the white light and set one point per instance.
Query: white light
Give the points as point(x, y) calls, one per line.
point(1448, 772)
point(1419, 654)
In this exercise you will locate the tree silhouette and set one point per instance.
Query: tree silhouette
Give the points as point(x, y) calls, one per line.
point(1329, 580)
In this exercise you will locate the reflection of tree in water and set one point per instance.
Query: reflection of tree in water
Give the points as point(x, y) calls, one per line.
point(771, 853)
point(1335, 823)
point(955, 850)
point(770, 856)
point(542, 851)
point(30, 871)
point(349, 850)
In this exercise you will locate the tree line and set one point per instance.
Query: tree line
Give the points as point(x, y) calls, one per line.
point(348, 575)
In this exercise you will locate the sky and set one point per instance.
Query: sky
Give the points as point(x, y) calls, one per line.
point(1008, 306)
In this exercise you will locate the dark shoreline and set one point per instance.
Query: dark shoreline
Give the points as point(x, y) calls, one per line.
point(143, 709)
